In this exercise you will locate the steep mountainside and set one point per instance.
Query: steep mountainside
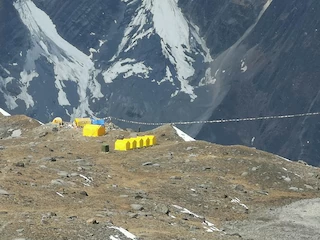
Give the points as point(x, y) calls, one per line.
point(168, 60)
point(279, 75)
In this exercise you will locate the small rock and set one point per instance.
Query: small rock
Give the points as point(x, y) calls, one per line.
point(19, 164)
point(3, 192)
point(145, 214)
point(44, 220)
point(141, 195)
point(263, 192)
point(49, 159)
point(287, 179)
point(308, 186)
point(175, 177)
point(206, 168)
point(43, 134)
point(63, 174)
point(74, 174)
point(193, 155)
point(235, 234)
point(162, 208)
point(84, 193)
point(136, 207)
point(55, 129)
point(294, 188)
point(120, 137)
point(204, 186)
point(92, 221)
point(147, 164)
point(133, 135)
point(244, 174)
point(83, 162)
point(133, 215)
point(20, 230)
point(239, 187)
point(254, 169)
point(57, 182)
point(51, 214)
point(189, 148)
point(2, 147)
point(302, 162)
point(124, 196)
point(16, 133)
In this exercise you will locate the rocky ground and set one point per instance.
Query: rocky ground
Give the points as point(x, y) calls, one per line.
point(57, 184)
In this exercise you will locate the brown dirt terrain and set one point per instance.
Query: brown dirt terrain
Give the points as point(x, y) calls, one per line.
point(55, 183)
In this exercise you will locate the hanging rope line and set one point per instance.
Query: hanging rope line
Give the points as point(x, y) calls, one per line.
point(218, 120)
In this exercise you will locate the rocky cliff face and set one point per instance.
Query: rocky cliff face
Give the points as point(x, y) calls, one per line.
point(151, 60)
point(278, 75)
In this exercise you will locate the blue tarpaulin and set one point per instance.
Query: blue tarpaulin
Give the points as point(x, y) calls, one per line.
point(98, 122)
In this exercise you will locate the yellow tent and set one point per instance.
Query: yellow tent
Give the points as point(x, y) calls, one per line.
point(146, 141)
point(122, 145)
point(139, 142)
point(152, 139)
point(133, 143)
point(91, 130)
point(57, 120)
point(81, 122)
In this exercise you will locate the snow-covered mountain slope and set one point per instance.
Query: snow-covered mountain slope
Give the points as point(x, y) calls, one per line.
point(79, 81)
point(166, 61)
point(69, 64)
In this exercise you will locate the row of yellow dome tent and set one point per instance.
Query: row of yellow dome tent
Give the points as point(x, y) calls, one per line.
point(134, 143)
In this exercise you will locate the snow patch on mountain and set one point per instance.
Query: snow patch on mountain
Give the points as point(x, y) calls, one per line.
point(244, 67)
point(129, 1)
point(4, 113)
point(127, 67)
point(208, 79)
point(4, 69)
point(10, 101)
point(131, 39)
point(183, 135)
point(180, 40)
point(174, 39)
point(168, 77)
point(25, 79)
point(69, 63)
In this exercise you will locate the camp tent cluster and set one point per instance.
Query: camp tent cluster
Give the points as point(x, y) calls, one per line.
point(81, 122)
point(134, 143)
point(91, 127)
